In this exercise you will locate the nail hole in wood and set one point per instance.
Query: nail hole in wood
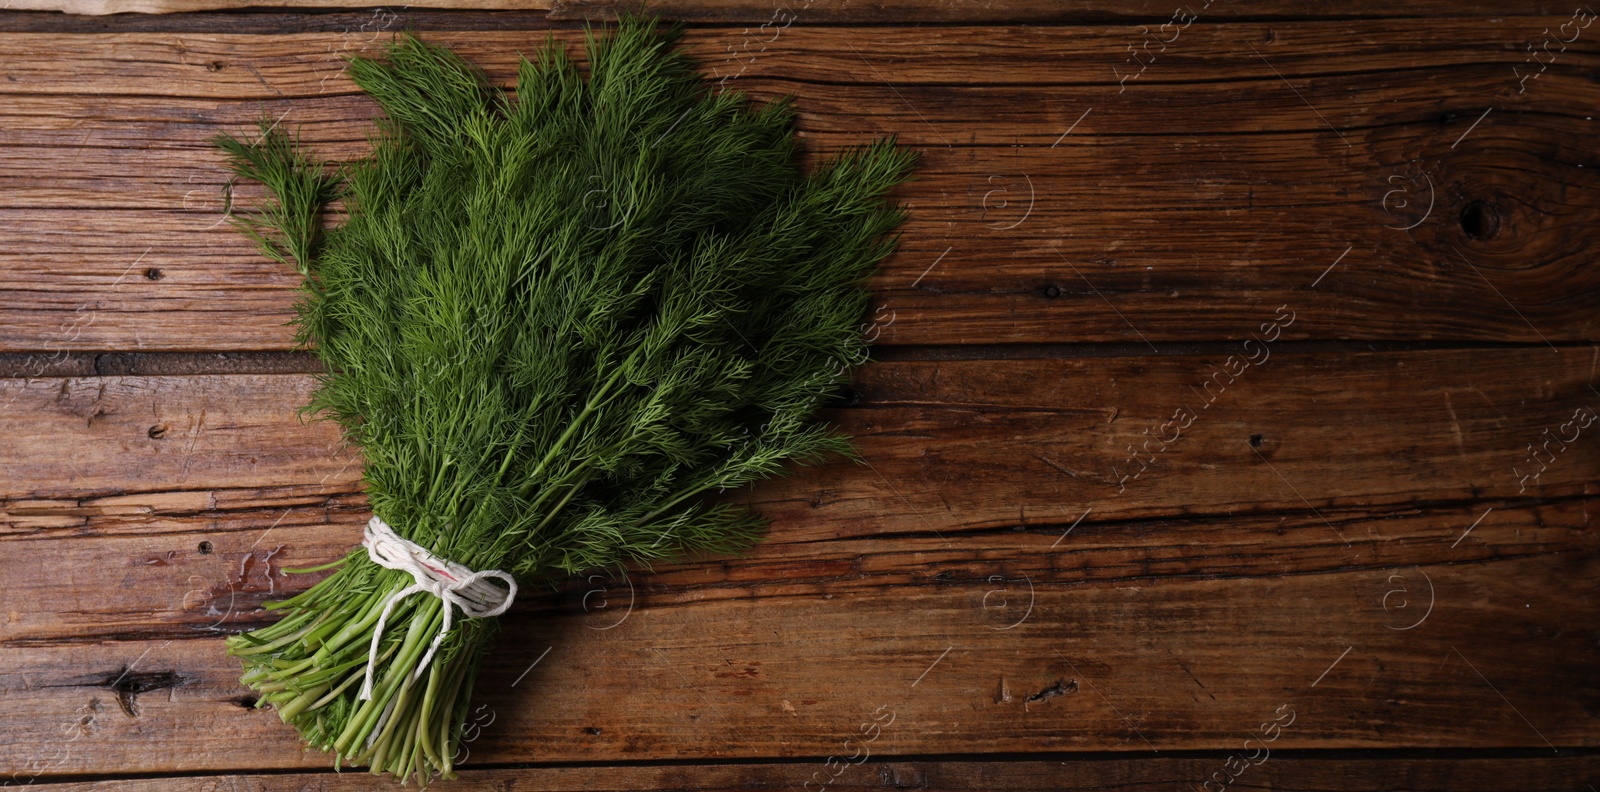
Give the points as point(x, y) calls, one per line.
point(157, 431)
point(153, 273)
point(1052, 291)
point(1255, 441)
point(205, 548)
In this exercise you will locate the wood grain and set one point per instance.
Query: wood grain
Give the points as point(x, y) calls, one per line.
point(968, 444)
point(1366, 515)
point(195, 576)
point(103, 7)
point(1286, 774)
point(91, 434)
point(1256, 567)
point(898, 11)
point(998, 643)
point(1241, 201)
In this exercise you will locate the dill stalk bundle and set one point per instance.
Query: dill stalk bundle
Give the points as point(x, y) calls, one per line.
point(556, 324)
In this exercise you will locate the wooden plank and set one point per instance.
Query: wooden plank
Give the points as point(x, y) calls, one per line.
point(835, 11)
point(88, 435)
point(1152, 12)
point(1287, 774)
point(102, 7)
point(953, 444)
point(1244, 200)
point(294, 64)
point(1171, 635)
point(182, 577)
point(348, 19)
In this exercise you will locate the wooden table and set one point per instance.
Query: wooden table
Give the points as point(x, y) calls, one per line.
point(1364, 232)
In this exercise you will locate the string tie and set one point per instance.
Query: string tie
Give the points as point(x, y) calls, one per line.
point(457, 585)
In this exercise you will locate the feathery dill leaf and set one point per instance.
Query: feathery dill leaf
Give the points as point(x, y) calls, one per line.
point(556, 325)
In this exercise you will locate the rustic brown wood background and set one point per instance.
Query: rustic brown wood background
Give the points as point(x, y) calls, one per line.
point(1061, 570)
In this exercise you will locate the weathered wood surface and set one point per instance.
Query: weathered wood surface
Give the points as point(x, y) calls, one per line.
point(979, 444)
point(1395, 541)
point(895, 11)
point(1277, 528)
point(1291, 774)
point(1239, 198)
point(1113, 650)
point(169, 585)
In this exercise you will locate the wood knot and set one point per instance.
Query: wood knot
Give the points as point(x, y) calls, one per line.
point(128, 685)
point(1060, 687)
point(1480, 220)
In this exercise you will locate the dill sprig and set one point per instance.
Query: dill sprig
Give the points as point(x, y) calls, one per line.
point(557, 324)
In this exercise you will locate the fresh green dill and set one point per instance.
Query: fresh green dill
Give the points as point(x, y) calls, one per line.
point(556, 323)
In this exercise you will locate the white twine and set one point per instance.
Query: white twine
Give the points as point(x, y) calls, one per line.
point(457, 585)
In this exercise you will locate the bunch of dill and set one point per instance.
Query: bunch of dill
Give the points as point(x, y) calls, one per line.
point(556, 323)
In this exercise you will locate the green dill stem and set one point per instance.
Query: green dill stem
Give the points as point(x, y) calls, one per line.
point(409, 747)
point(679, 498)
point(571, 491)
point(438, 478)
point(373, 609)
point(318, 636)
point(294, 668)
point(301, 702)
point(398, 674)
point(450, 725)
point(511, 453)
point(421, 734)
point(319, 568)
point(394, 729)
point(309, 595)
point(343, 686)
point(272, 645)
point(353, 732)
point(589, 408)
